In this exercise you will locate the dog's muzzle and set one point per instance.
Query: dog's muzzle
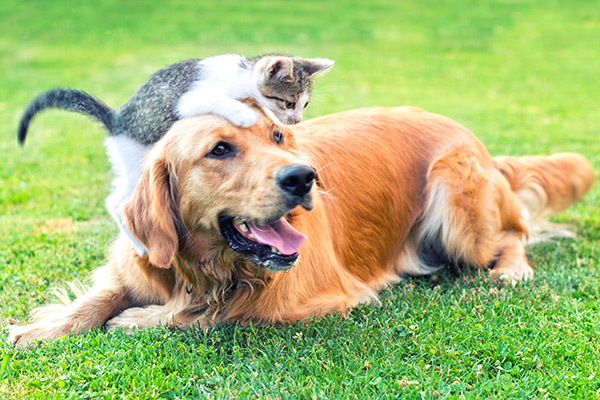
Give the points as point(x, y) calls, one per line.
point(273, 246)
point(295, 181)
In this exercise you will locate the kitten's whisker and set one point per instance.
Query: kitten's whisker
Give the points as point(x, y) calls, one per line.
point(323, 92)
point(318, 89)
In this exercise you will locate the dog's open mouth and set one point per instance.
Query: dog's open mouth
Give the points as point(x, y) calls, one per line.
point(272, 246)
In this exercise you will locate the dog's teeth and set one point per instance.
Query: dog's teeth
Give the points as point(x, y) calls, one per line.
point(243, 227)
point(238, 221)
point(251, 236)
point(274, 250)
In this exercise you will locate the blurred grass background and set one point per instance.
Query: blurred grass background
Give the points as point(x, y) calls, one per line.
point(521, 74)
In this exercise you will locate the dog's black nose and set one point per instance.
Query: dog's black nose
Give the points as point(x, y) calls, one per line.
point(296, 179)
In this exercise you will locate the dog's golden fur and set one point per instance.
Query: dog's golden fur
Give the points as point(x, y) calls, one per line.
point(399, 191)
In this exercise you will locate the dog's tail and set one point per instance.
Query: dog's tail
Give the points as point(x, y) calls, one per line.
point(544, 186)
point(70, 100)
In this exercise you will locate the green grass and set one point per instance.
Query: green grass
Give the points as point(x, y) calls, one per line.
point(523, 75)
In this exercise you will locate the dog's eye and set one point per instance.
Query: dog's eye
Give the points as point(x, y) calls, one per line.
point(278, 137)
point(289, 105)
point(222, 150)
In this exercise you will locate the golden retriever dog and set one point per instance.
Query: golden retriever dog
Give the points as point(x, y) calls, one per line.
point(278, 223)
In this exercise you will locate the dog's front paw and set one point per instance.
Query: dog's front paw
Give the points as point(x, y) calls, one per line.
point(137, 318)
point(127, 325)
point(13, 334)
point(22, 336)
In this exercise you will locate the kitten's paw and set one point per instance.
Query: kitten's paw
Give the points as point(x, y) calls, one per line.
point(244, 118)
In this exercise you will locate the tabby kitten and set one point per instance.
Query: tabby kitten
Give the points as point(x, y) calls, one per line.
point(214, 85)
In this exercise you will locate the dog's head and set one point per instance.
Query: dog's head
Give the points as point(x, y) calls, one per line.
point(210, 182)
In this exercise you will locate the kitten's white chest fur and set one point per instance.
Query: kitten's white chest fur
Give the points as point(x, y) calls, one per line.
point(126, 156)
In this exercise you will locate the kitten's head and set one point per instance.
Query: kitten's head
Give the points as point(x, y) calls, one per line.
point(285, 84)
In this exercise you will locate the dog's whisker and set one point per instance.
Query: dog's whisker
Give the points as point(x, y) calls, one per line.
point(324, 166)
point(190, 231)
point(327, 194)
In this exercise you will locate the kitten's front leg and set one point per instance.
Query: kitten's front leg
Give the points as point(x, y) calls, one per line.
point(203, 101)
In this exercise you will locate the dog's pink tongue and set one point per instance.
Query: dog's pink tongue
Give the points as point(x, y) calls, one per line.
point(280, 235)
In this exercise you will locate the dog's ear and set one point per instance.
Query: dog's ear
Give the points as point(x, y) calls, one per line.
point(152, 214)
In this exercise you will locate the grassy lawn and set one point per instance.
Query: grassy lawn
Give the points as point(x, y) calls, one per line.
point(524, 75)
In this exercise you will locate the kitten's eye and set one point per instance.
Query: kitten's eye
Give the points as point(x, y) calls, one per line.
point(306, 105)
point(290, 104)
point(222, 150)
point(278, 137)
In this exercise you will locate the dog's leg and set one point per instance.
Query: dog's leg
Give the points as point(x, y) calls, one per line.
point(473, 218)
point(90, 310)
point(512, 263)
point(142, 317)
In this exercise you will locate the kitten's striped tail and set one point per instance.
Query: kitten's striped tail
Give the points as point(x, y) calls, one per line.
point(70, 100)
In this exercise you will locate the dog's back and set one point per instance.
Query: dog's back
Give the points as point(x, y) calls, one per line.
point(415, 191)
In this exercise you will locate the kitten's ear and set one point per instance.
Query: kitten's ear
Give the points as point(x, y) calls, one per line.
point(316, 66)
point(281, 68)
point(151, 214)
